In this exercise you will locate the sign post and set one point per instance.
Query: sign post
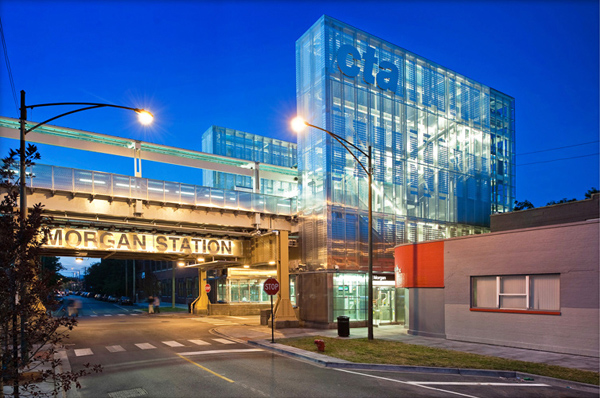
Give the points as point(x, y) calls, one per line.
point(271, 287)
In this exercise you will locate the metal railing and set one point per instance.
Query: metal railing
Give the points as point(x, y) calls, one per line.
point(114, 185)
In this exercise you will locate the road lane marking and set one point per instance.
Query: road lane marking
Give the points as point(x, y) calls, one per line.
point(81, 352)
point(206, 369)
point(93, 316)
point(224, 341)
point(173, 343)
point(208, 352)
point(121, 314)
point(199, 342)
point(458, 383)
point(115, 348)
point(145, 346)
point(135, 392)
point(406, 382)
point(107, 314)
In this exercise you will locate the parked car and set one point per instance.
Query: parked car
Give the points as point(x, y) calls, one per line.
point(97, 297)
point(124, 300)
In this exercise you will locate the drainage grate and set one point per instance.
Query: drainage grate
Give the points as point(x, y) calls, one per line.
point(136, 392)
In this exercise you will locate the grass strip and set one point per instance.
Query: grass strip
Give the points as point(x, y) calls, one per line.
point(397, 353)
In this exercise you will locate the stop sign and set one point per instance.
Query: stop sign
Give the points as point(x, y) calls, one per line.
point(207, 288)
point(271, 286)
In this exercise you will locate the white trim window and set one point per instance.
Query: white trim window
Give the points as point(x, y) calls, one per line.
point(516, 292)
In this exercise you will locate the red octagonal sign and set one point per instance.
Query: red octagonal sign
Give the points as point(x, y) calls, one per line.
point(271, 286)
point(207, 288)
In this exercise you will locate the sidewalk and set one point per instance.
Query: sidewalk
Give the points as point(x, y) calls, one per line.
point(397, 333)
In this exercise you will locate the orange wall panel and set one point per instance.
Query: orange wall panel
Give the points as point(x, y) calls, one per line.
point(420, 265)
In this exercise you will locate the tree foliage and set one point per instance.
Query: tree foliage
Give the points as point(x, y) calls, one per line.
point(51, 267)
point(590, 192)
point(523, 205)
point(107, 277)
point(29, 334)
point(563, 200)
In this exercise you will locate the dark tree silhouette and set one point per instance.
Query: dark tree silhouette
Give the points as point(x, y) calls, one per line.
point(29, 334)
point(590, 192)
point(523, 205)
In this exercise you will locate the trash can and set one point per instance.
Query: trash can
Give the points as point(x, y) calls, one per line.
point(343, 326)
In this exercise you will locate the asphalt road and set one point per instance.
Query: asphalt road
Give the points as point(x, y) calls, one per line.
point(181, 356)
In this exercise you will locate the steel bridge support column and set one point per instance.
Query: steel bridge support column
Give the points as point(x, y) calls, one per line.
point(200, 305)
point(285, 316)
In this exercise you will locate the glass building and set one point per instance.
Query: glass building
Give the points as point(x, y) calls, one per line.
point(238, 144)
point(443, 161)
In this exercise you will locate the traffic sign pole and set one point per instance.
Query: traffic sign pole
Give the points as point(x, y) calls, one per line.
point(272, 322)
point(271, 287)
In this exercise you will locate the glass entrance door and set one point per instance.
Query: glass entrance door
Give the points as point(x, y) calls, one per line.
point(384, 305)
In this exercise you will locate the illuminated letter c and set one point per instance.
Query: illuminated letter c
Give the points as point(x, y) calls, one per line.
point(342, 54)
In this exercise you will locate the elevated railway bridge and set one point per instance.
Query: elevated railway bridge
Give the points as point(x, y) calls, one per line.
point(98, 214)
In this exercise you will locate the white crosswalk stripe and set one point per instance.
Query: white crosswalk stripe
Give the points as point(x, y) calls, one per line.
point(93, 316)
point(145, 346)
point(224, 341)
point(83, 352)
point(107, 314)
point(173, 344)
point(121, 314)
point(115, 348)
point(199, 342)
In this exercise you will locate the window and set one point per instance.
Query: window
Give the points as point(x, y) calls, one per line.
point(538, 293)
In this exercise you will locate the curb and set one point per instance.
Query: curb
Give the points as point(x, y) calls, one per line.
point(335, 363)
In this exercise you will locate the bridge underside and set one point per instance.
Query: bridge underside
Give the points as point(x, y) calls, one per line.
point(115, 217)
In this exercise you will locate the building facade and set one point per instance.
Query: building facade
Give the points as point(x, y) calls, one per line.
point(537, 288)
point(241, 145)
point(443, 161)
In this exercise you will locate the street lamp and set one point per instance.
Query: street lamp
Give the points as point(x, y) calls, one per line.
point(298, 124)
point(144, 117)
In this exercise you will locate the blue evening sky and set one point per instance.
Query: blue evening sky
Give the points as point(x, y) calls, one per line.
point(232, 64)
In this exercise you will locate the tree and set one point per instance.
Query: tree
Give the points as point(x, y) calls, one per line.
point(563, 200)
point(590, 192)
point(523, 205)
point(51, 267)
point(107, 277)
point(27, 330)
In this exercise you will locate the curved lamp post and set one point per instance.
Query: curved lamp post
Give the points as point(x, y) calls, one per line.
point(298, 124)
point(144, 117)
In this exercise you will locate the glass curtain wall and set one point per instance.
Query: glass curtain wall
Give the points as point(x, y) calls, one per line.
point(238, 144)
point(502, 123)
point(431, 139)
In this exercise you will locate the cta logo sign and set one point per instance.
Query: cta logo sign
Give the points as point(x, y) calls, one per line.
point(384, 73)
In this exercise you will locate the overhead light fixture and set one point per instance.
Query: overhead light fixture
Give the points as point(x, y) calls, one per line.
point(246, 266)
point(271, 262)
point(181, 263)
point(78, 260)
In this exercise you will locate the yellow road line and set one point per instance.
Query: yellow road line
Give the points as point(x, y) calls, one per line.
point(203, 368)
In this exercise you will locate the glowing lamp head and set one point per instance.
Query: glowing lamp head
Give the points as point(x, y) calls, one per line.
point(180, 263)
point(145, 117)
point(298, 124)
